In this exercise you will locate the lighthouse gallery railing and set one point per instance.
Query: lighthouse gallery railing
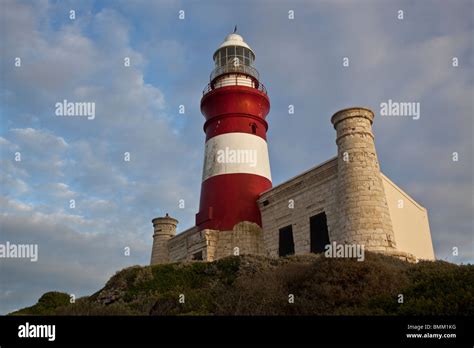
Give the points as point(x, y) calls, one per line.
point(209, 87)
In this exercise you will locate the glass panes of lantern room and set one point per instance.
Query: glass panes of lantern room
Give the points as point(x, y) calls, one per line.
point(227, 55)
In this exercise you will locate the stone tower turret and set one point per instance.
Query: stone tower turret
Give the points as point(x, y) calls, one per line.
point(164, 230)
point(362, 211)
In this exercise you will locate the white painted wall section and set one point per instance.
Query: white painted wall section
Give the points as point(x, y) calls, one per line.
point(409, 221)
point(233, 153)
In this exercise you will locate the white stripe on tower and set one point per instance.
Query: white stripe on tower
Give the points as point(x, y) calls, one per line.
point(231, 153)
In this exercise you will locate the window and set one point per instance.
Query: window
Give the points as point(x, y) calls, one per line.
point(227, 56)
point(250, 56)
point(318, 233)
point(198, 256)
point(286, 243)
point(221, 57)
point(254, 127)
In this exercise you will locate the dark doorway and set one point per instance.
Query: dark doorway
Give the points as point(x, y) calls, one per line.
point(198, 256)
point(319, 232)
point(286, 243)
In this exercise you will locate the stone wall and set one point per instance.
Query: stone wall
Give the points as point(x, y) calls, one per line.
point(186, 244)
point(246, 237)
point(295, 202)
point(354, 195)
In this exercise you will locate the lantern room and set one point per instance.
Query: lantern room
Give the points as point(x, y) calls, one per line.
point(234, 50)
point(233, 64)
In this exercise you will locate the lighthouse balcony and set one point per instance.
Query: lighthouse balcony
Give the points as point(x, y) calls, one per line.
point(234, 80)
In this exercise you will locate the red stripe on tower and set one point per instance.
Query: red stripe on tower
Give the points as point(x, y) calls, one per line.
point(236, 164)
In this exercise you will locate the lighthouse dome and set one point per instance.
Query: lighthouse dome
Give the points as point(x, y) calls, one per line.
point(235, 40)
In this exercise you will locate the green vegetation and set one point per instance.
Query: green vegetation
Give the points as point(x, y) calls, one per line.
point(257, 285)
point(47, 304)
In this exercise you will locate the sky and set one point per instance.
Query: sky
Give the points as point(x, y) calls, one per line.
point(300, 62)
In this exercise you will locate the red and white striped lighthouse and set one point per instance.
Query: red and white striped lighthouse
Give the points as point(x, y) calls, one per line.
point(236, 164)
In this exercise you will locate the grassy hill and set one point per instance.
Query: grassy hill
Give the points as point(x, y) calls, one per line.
point(257, 285)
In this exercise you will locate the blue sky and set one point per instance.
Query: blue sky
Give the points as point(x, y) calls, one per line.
point(300, 63)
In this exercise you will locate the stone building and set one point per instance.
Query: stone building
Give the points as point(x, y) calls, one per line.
point(344, 201)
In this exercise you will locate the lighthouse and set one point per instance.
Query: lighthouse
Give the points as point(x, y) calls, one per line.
point(236, 163)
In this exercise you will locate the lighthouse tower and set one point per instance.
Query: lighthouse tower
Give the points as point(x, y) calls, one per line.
point(236, 165)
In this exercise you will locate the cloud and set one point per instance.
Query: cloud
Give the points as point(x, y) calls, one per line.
point(64, 159)
point(32, 150)
point(9, 205)
point(67, 259)
point(37, 139)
